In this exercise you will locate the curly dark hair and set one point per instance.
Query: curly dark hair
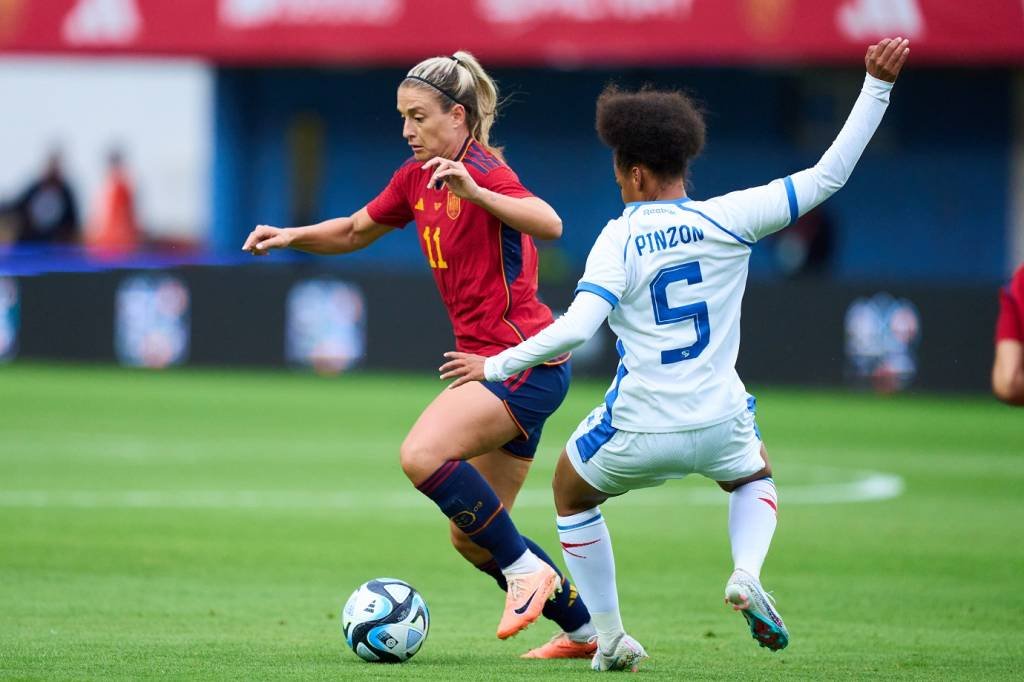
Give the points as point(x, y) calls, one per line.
point(660, 129)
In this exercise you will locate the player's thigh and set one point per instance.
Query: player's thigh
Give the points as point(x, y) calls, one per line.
point(573, 494)
point(460, 423)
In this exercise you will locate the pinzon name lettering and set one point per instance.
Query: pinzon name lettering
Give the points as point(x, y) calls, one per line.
point(668, 238)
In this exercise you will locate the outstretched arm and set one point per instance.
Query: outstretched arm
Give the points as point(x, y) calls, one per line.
point(571, 330)
point(334, 236)
point(757, 212)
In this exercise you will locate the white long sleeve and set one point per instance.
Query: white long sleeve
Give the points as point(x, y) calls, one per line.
point(759, 211)
point(579, 323)
point(814, 185)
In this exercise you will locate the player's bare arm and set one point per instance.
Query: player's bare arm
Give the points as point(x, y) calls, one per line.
point(529, 215)
point(334, 236)
point(1007, 372)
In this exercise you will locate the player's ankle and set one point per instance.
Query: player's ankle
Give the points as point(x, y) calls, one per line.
point(609, 630)
point(526, 563)
point(583, 633)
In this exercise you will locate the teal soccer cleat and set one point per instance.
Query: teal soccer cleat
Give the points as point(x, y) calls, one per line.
point(744, 593)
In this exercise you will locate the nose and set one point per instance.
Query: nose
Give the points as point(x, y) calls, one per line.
point(407, 129)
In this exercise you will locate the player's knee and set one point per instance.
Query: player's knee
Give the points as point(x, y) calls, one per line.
point(418, 460)
point(569, 502)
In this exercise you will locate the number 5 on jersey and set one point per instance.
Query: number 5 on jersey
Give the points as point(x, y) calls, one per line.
point(437, 263)
point(665, 314)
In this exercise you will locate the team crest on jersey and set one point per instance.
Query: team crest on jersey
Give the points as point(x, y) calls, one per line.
point(454, 207)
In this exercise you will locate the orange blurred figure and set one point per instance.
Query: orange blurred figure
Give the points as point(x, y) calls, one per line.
point(112, 227)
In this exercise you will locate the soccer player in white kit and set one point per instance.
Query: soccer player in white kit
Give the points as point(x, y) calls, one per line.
point(669, 276)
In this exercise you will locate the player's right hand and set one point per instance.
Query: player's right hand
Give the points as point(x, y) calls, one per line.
point(885, 59)
point(264, 238)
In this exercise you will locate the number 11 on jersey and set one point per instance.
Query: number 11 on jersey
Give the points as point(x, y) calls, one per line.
point(438, 263)
point(665, 314)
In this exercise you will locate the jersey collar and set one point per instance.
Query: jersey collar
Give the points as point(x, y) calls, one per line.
point(682, 200)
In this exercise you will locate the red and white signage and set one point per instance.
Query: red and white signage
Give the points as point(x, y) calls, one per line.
point(567, 32)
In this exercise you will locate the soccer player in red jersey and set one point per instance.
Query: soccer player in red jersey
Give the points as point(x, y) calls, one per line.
point(471, 448)
point(1008, 368)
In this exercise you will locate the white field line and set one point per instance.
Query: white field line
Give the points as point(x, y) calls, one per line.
point(865, 486)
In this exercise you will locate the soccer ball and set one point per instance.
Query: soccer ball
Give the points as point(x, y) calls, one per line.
point(385, 621)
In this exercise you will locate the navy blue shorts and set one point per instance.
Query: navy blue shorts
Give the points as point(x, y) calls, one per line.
point(530, 398)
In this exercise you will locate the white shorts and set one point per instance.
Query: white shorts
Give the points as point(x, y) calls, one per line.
point(614, 461)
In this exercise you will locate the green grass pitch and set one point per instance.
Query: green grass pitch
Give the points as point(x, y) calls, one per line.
point(209, 525)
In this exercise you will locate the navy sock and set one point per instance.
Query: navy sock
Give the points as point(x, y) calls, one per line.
point(567, 609)
point(467, 499)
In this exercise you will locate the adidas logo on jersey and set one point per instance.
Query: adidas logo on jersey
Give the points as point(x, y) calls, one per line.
point(864, 19)
point(95, 22)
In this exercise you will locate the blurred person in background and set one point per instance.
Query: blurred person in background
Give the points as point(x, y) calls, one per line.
point(45, 211)
point(1008, 368)
point(471, 448)
point(112, 227)
point(805, 248)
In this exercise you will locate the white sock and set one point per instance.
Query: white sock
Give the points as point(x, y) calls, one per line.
point(587, 549)
point(583, 633)
point(752, 518)
point(528, 562)
point(609, 630)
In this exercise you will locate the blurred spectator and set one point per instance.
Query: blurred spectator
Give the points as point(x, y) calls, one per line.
point(1008, 368)
point(45, 212)
point(805, 248)
point(112, 226)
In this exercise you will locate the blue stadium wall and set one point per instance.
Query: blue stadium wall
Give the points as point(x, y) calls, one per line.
point(929, 201)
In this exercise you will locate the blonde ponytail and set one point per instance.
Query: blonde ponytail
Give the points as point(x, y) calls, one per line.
point(460, 79)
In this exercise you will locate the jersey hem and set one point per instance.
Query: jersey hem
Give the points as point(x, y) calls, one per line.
point(622, 425)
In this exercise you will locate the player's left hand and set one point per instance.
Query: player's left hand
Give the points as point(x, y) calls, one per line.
point(463, 367)
point(885, 59)
point(454, 175)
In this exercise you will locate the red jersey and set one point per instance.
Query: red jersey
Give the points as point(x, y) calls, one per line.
point(485, 270)
point(1011, 309)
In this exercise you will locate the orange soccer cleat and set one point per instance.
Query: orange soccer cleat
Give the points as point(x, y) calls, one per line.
point(525, 599)
point(560, 646)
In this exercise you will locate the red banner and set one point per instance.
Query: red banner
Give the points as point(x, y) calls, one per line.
point(565, 32)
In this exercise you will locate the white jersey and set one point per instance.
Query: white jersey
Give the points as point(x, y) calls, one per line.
point(675, 276)
point(670, 276)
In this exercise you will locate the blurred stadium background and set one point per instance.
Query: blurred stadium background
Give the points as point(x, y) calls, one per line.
point(229, 113)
